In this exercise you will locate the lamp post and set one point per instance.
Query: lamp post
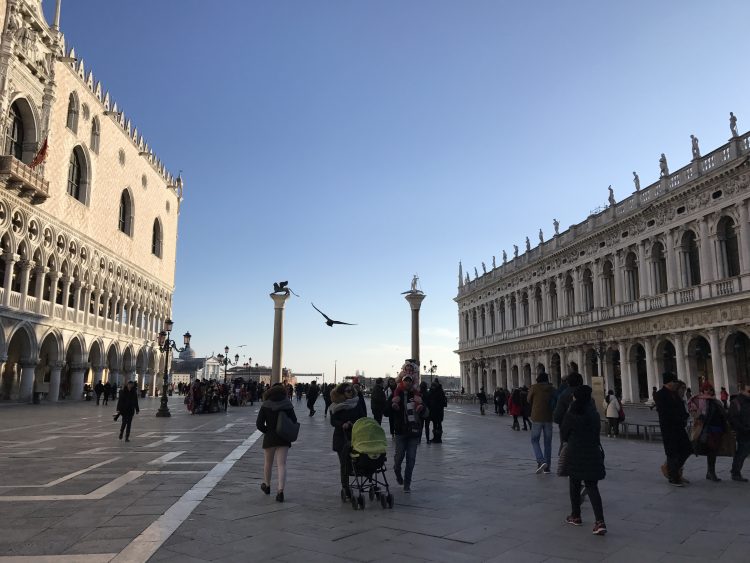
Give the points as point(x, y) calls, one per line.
point(166, 345)
point(432, 370)
point(224, 359)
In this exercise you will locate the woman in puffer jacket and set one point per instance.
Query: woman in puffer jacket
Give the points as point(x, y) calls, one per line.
point(346, 409)
point(612, 412)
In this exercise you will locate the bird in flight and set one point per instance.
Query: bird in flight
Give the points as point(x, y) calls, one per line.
point(330, 321)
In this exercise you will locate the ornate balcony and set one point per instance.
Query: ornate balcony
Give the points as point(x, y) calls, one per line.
point(18, 176)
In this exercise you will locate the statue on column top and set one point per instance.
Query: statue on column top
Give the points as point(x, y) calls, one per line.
point(556, 225)
point(414, 282)
point(663, 168)
point(637, 182)
point(733, 124)
point(528, 244)
point(694, 147)
point(611, 197)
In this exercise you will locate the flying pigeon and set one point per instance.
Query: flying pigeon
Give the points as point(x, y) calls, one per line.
point(329, 321)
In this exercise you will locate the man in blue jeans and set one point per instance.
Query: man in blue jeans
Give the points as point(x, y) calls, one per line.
point(542, 400)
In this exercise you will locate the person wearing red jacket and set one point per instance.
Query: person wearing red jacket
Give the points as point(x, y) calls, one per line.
point(514, 408)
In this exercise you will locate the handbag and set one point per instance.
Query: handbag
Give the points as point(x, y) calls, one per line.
point(286, 429)
point(562, 462)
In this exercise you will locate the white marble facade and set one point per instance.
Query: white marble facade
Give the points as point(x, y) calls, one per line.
point(657, 282)
point(88, 222)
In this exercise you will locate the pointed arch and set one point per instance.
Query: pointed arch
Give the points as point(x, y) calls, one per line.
point(157, 237)
point(79, 175)
point(95, 135)
point(22, 133)
point(127, 212)
point(74, 107)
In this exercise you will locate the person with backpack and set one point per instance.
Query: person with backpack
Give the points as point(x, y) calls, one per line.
point(408, 412)
point(542, 400)
point(275, 447)
point(312, 396)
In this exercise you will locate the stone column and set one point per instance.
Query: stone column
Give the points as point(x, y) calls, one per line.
point(98, 374)
point(10, 262)
point(25, 270)
point(651, 375)
point(577, 292)
point(744, 238)
point(643, 270)
point(66, 282)
point(54, 278)
point(629, 383)
point(682, 371)
point(41, 274)
point(77, 372)
point(415, 302)
point(596, 280)
point(672, 280)
point(54, 382)
point(114, 377)
point(618, 273)
point(706, 253)
point(607, 370)
point(279, 300)
point(720, 378)
point(28, 371)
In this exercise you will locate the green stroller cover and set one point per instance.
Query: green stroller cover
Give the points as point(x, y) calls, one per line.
point(368, 437)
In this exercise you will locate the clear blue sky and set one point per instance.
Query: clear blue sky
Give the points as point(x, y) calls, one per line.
point(345, 146)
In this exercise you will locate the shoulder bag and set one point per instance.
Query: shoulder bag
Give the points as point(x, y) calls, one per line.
point(286, 429)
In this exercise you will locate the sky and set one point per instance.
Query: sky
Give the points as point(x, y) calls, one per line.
point(347, 146)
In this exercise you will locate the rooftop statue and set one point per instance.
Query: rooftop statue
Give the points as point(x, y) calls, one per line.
point(476, 274)
point(528, 244)
point(637, 182)
point(541, 236)
point(505, 257)
point(484, 268)
point(663, 168)
point(493, 263)
point(515, 251)
point(556, 225)
point(733, 124)
point(611, 197)
point(694, 147)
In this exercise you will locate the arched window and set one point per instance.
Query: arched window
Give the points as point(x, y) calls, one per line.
point(125, 223)
point(691, 268)
point(632, 290)
point(729, 256)
point(156, 239)
point(95, 135)
point(75, 176)
point(553, 301)
point(72, 119)
point(588, 290)
point(14, 133)
point(659, 268)
point(608, 283)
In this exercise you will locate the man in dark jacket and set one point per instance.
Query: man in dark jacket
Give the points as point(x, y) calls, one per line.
point(437, 401)
point(739, 416)
point(127, 406)
point(312, 396)
point(541, 398)
point(672, 419)
point(565, 396)
point(377, 400)
point(98, 389)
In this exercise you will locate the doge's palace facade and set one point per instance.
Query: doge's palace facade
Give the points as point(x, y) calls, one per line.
point(88, 222)
point(657, 282)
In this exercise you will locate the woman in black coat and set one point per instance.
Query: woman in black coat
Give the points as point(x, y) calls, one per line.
point(275, 400)
point(127, 406)
point(436, 403)
point(345, 411)
point(585, 457)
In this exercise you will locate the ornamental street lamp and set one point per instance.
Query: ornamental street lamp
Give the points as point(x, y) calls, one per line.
point(166, 345)
point(432, 370)
point(224, 359)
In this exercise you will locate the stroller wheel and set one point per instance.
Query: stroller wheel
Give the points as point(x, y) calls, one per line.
point(361, 502)
point(389, 499)
point(354, 502)
point(383, 501)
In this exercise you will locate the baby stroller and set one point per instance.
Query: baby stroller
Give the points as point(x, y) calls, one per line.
point(367, 469)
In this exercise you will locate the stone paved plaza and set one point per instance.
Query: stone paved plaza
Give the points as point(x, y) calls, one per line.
point(186, 489)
